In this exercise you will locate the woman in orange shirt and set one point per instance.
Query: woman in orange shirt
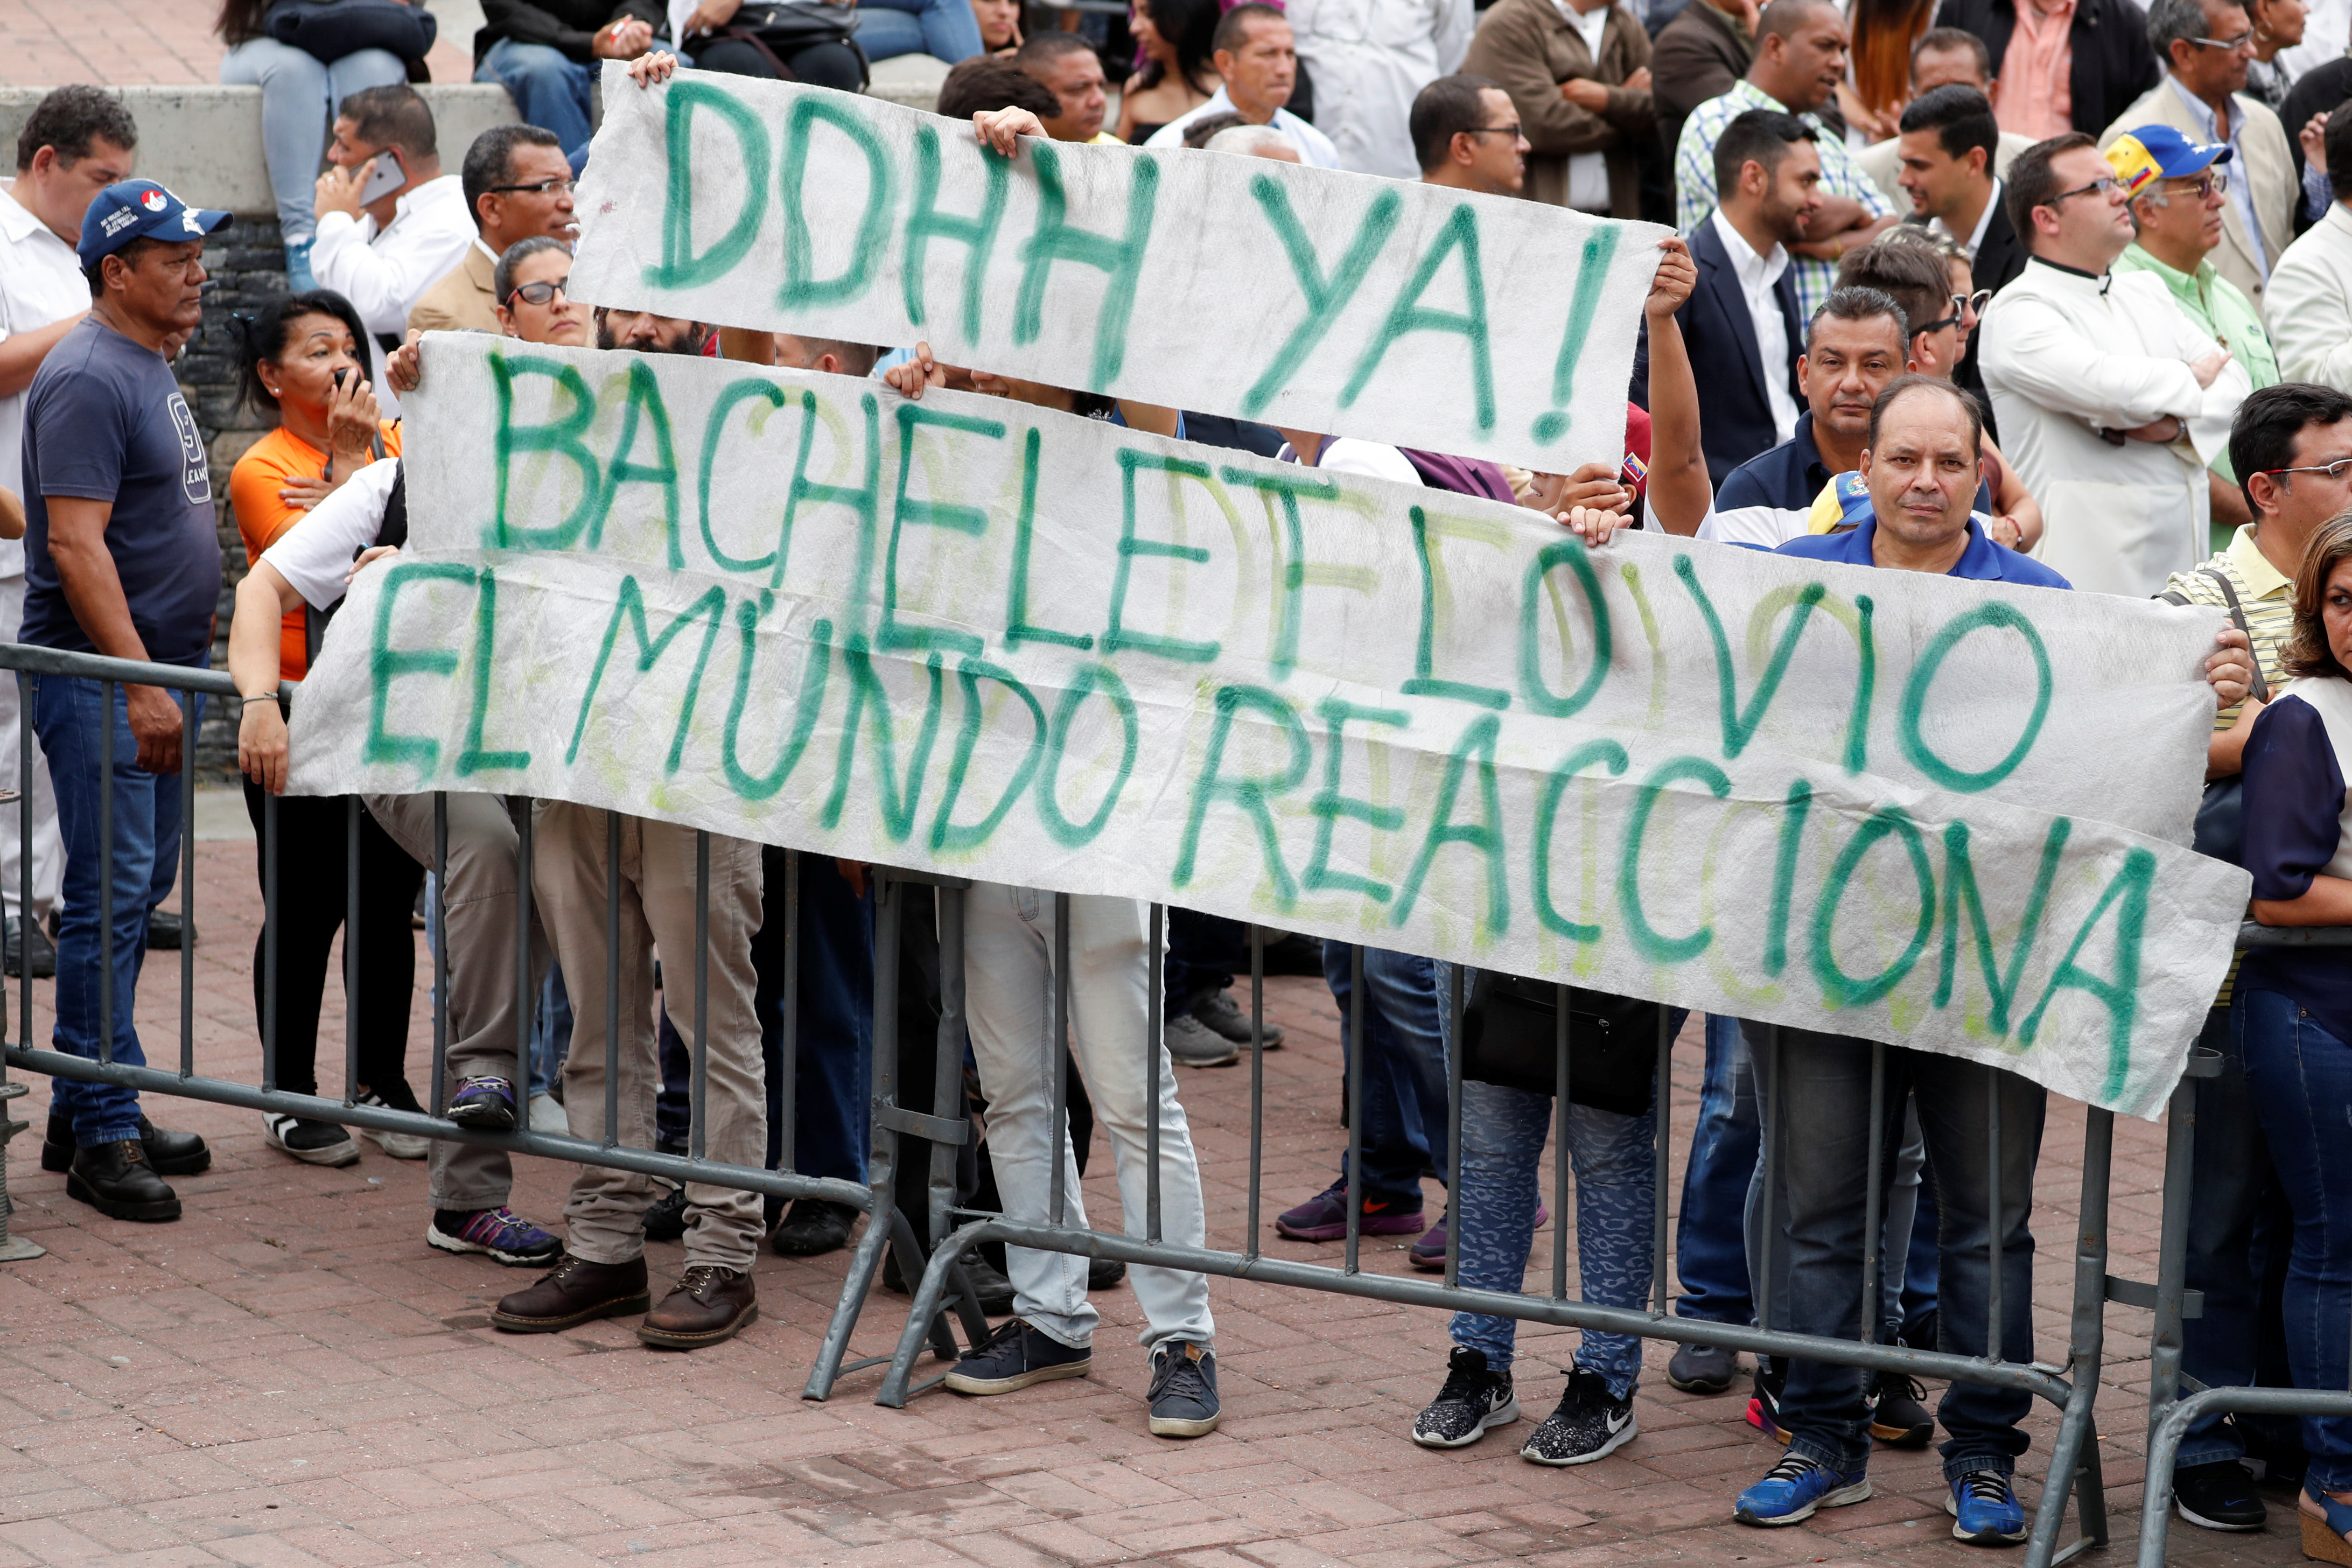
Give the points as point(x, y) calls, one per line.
point(303, 358)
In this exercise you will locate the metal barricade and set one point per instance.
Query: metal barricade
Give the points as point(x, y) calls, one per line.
point(189, 686)
point(2075, 1460)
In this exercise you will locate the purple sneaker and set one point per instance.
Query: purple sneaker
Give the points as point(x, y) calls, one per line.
point(501, 1233)
point(1428, 1254)
point(1324, 1216)
point(488, 1103)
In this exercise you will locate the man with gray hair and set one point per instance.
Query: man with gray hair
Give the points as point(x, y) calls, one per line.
point(2205, 46)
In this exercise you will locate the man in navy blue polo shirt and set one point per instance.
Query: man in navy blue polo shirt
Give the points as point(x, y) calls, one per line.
point(1921, 463)
point(122, 558)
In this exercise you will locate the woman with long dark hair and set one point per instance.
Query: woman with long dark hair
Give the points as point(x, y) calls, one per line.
point(1176, 77)
point(298, 94)
point(304, 358)
point(2291, 1012)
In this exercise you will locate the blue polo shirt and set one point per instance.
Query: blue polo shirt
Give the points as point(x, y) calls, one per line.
point(1982, 562)
point(1770, 498)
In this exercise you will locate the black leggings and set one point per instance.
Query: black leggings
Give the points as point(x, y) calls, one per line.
point(819, 65)
point(313, 896)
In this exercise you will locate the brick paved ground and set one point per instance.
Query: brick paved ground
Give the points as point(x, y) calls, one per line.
point(127, 43)
point(290, 1377)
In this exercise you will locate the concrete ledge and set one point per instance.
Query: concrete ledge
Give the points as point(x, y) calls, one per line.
point(204, 142)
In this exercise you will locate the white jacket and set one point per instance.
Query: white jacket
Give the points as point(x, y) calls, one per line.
point(2065, 356)
point(386, 273)
point(2310, 306)
point(1369, 59)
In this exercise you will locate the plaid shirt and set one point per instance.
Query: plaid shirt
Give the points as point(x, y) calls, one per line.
point(1695, 180)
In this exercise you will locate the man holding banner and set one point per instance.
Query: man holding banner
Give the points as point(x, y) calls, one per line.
point(1922, 466)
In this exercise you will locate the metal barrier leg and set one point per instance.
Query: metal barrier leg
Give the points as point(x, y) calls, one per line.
point(2075, 1455)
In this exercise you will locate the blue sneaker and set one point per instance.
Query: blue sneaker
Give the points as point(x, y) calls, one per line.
point(1015, 1356)
point(499, 1233)
point(1984, 1510)
point(1792, 1489)
point(487, 1103)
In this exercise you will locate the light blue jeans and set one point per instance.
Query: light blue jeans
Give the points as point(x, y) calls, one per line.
point(550, 90)
point(298, 94)
point(944, 29)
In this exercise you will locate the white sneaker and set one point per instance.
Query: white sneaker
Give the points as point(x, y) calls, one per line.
point(547, 1116)
point(399, 1145)
point(312, 1142)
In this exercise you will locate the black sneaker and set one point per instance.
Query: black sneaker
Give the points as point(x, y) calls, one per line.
point(1287, 952)
point(1218, 1010)
point(166, 932)
point(666, 1220)
point(1898, 1418)
point(1472, 1400)
point(812, 1226)
point(1184, 1391)
point(1703, 1369)
point(1017, 1356)
point(1764, 1404)
point(312, 1142)
point(2219, 1496)
point(1105, 1273)
point(1589, 1424)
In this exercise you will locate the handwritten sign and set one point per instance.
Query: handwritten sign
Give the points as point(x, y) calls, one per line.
point(972, 636)
point(1326, 302)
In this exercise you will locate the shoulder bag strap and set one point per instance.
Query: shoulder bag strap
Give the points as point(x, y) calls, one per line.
point(2261, 690)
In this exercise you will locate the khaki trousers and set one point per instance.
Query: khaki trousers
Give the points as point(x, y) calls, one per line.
point(605, 1218)
point(478, 923)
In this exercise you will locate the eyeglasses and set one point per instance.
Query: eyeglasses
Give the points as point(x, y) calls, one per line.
point(2105, 187)
point(1513, 131)
point(540, 293)
point(1972, 305)
point(1935, 326)
point(2242, 41)
point(541, 188)
point(2213, 182)
point(2334, 471)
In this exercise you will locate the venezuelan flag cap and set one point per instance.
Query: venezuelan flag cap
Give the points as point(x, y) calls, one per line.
point(2153, 152)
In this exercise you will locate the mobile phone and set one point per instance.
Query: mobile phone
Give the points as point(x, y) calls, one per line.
point(340, 376)
point(385, 174)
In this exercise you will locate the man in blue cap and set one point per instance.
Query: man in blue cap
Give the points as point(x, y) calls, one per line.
point(122, 559)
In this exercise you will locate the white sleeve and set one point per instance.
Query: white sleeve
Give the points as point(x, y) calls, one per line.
point(1455, 22)
point(1347, 456)
point(2033, 351)
point(316, 553)
point(386, 280)
point(1766, 527)
point(2310, 310)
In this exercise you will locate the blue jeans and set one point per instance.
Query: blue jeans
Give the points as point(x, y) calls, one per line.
point(1614, 1159)
point(1405, 1123)
point(550, 1033)
point(1710, 1238)
point(299, 95)
point(2301, 1080)
point(833, 1083)
point(944, 29)
point(66, 716)
point(550, 89)
point(1825, 1079)
point(1204, 954)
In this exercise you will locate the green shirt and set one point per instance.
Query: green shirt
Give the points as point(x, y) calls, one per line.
point(2221, 308)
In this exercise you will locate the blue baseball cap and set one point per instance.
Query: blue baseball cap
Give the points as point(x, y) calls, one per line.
point(140, 209)
point(2143, 155)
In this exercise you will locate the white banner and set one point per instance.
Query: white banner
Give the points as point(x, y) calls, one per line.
point(969, 635)
point(1485, 326)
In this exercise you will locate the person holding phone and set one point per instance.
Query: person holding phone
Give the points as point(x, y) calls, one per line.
point(303, 357)
point(391, 224)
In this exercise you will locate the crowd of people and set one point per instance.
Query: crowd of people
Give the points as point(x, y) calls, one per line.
point(2054, 296)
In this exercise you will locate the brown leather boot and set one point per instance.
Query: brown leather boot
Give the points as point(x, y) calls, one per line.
point(574, 1293)
point(707, 1305)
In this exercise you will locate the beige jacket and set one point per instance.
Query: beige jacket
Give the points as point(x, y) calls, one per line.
point(2264, 162)
point(1529, 49)
point(462, 302)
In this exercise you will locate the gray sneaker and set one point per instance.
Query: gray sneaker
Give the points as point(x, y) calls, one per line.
point(1184, 1391)
point(1221, 1012)
point(1703, 1369)
point(1194, 1043)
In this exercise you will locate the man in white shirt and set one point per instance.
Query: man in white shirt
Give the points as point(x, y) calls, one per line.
point(1369, 59)
point(1256, 54)
point(384, 256)
point(78, 141)
point(2310, 305)
point(2111, 400)
point(1944, 56)
point(2205, 46)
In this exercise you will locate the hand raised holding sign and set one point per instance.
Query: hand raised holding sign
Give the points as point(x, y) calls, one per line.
point(1003, 127)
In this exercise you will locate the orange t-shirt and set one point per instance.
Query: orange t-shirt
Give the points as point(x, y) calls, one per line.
point(261, 516)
